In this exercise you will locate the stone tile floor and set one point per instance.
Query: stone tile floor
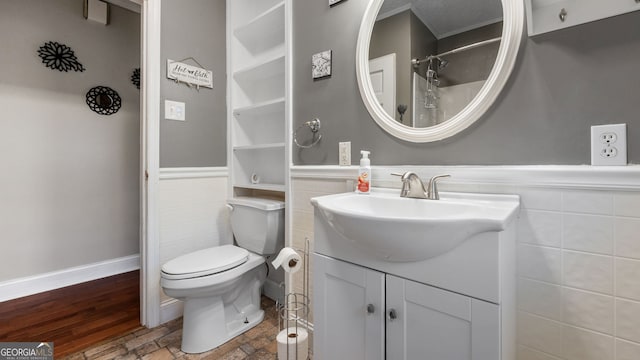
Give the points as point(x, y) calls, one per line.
point(163, 343)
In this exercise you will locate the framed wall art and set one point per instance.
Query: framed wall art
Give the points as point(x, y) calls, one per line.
point(321, 65)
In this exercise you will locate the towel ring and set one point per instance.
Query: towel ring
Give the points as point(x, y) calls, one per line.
point(314, 126)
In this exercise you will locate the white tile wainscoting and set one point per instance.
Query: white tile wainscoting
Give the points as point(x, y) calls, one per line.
point(578, 248)
point(192, 216)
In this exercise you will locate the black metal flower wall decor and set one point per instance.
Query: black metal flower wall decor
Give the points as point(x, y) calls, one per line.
point(59, 57)
point(104, 100)
point(135, 78)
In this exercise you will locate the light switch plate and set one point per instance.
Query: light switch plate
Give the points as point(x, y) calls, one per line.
point(609, 144)
point(174, 110)
point(344, 152)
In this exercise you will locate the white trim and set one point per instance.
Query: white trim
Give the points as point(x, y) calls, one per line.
point(468, 28)
point(171, 309)
point(193, 172)
point(13, 289)
point(230, 120)
point(131, 5)
point(288, 111)
point(150, 153)
point(557, 176)
point(395, 11)
point(329, 172)
point(512, 30)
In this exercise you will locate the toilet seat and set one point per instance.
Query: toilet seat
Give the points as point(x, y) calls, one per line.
point(205, 262)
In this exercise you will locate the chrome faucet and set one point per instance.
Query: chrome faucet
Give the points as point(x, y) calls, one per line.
point(413, 187)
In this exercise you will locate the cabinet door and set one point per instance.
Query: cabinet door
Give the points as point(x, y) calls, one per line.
point(426, 323)
point(545, 16)
point(348, 311)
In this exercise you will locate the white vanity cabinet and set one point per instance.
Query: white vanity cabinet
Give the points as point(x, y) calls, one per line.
point(348, 311)
point(549, 15)
point(394, 279)
point(361, 313)
point(424, 322)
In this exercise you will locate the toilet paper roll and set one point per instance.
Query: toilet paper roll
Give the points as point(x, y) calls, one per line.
point(296, 341)
point(289, 259)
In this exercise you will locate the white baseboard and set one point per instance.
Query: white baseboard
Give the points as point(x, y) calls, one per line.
point(273, 291)
point(170, 309)
point(26, 286)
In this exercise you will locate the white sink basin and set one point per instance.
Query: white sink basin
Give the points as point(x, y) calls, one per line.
point(398, 229)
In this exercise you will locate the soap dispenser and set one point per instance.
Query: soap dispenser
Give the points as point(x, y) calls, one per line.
point(364, 174)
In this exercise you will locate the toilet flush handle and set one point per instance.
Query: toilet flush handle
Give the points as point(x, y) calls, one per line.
point(230, 207)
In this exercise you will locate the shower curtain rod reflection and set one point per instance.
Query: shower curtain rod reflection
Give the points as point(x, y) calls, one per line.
point(457, 50)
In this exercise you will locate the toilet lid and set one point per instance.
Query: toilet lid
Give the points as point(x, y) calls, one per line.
point(205, 262)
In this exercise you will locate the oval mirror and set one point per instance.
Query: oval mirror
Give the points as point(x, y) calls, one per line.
point(427, 69)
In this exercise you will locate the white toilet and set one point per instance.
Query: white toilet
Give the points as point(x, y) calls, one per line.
point(220, 286)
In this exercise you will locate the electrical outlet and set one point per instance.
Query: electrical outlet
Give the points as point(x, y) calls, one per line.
point(609, 144)
point(344, 152)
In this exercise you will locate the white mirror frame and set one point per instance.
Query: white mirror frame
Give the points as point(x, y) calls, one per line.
point(513, 24)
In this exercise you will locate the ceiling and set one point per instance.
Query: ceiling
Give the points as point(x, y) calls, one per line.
point(447, 17)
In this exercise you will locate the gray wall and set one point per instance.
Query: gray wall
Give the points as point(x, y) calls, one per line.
point(393, 35)
point(423, 44)
point(406, 36)
point(194, 28)
point(563, 83)
point(69, 190)
point(473, 64)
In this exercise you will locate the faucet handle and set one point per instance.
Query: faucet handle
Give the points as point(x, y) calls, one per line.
point(432, 191)
point(437, 177)
point(397, 174)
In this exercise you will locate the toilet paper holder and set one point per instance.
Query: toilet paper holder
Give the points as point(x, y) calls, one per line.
point(293, 315)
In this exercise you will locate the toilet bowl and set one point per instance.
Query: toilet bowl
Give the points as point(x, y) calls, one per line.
point(221, 285)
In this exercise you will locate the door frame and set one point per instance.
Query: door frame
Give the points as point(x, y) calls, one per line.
point(387, 63)
point(150, 24)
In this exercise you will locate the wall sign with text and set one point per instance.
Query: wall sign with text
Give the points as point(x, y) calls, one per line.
point(189, 74)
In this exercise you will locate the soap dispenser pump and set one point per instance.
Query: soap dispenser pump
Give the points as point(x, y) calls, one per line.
point(364, 174)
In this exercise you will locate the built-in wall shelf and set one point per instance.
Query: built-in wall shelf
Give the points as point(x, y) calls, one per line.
point(262, 108)
point(267, 187)
point(549, 15)
point(265, 69)
point(263, 32)
point(258, 38)
point(259, 147)
point(262, 82)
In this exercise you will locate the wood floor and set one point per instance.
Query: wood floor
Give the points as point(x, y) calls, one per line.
point(164, 343)
point(74, 317)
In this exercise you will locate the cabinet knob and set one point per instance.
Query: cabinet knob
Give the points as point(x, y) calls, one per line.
point(370, 309)
point(393, 314)
point(563, 14)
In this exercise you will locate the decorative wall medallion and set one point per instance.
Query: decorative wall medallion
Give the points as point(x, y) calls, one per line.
point(334, 2)
point(321, 64)
point(59, 57)
point(135, 78)
point(104, 100)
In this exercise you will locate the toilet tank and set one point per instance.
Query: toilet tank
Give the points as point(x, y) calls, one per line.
point(257, 223)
